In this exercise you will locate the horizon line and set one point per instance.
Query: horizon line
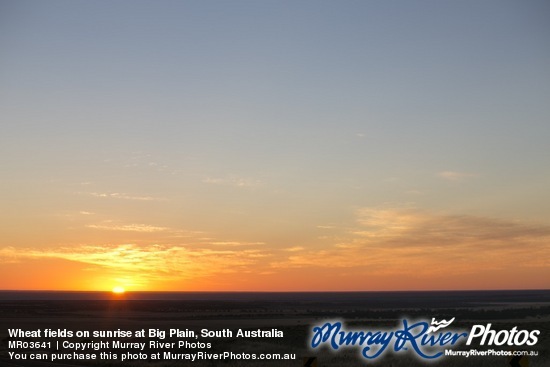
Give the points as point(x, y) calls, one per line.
point(309, 291)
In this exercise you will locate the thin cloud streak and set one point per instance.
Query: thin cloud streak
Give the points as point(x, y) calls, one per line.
point(128, 228)
point(454, 176)
point(233, 181)
point(124, 196)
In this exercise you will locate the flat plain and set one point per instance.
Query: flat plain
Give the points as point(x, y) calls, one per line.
point(295, 314)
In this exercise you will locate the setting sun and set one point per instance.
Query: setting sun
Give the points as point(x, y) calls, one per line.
point(118, 290)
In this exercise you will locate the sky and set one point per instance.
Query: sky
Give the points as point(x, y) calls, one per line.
point(274, 145)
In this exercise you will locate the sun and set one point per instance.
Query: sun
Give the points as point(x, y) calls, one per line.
point(118, 290)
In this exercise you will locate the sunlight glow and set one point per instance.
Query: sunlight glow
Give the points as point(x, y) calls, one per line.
point(118, 290)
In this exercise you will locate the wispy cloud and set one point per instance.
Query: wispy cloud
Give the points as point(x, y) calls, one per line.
point(236, 243)
point(234, 181)
point(145, 264)
point(123, 196)
point(128, 227)
point(408, 240)
point(454, 175)
point(425, 227)
point(325, 227)
point(294, 249)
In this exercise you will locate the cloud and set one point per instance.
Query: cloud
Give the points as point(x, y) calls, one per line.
point(123, 196)
point(9, 255)
point(412, 225)
point(294, 249)
point(147, 263)
point(416, 242)
point(454, 176)
point(128, 227)
point(235, 243)
point(233, 181)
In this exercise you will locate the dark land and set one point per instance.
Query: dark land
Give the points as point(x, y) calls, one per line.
point(293, 313)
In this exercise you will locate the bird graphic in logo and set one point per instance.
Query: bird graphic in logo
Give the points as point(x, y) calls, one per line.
point(439, 325)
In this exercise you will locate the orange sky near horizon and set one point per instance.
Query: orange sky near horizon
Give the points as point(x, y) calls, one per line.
point(387, 249)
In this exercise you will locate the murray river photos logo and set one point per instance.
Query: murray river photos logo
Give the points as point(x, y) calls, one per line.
point(426, 340)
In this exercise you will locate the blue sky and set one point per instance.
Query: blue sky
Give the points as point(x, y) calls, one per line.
point(267, 122)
